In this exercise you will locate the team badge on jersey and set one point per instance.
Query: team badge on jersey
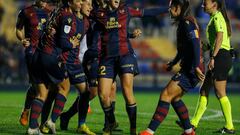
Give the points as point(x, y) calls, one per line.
point(67, 29)
point(69, 20)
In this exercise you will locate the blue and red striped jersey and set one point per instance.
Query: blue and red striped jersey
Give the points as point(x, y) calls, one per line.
point(114, 24)
point(81, 28)
point(68, 26)
point(114, 28)
point(33, 20)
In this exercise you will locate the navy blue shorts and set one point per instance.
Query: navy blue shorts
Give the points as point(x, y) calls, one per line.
point(187, 81)
point(75, 73)
point(34, 68)
point(110, 67)
point(90, 66)
point(54, 70)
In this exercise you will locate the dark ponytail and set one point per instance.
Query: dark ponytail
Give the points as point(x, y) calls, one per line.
point(185, 11)
point(222, 8)
point(185, 8)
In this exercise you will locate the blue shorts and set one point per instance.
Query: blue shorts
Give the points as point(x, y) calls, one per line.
point(187, 80)
point(75, 73)
point(90, 66)
point(34, 67)
point(54, 70)
point(112, 66)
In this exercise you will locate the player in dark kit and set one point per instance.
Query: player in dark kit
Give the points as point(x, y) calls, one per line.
point(53, 70)
point(29, 28)
point(90, 64)
point(117, 57)
point(188, 46)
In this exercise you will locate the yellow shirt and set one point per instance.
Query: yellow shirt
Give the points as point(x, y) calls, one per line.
point(217, 24)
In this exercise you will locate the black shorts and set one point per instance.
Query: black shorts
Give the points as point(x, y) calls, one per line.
point(222, 65)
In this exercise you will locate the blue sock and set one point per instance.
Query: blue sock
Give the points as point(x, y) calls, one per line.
point(83, 107)
point(132, 115)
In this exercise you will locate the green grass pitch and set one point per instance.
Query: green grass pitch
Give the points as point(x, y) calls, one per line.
point(11, 105)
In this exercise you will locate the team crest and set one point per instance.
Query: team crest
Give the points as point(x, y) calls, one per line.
point(67, 29)
point(69, 20)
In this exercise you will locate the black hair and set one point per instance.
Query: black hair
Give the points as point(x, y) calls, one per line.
point(185, 8)
point(222, 8)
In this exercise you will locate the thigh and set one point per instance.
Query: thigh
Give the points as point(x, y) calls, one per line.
point(171, 91)
point(127, 86)
point(207, 84)
point(104, 87)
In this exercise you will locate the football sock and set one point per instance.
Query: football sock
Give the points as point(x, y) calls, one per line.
point(182, 112)
point(201, 108)
point(83, 107)
point(73, 109)
point(227, 112)
point(109, 114)
point(36, 109)
point(132, 115)
point(58, 107)
point(159, 115)
point(47, 107)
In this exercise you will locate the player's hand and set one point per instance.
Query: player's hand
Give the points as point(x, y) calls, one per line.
point(51, 31)
point(169, 66)
point(75, 42)
point(199, 74)
point(211, 64)
point(26, 42)
point(137, 33)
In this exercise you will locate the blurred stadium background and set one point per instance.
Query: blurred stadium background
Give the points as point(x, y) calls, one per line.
point(154, 48)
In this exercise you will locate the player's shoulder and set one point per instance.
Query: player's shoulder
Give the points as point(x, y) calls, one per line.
point(26, 9)
point(190, 22)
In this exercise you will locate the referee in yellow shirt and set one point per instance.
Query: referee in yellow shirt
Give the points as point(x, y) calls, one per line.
point(218, 33)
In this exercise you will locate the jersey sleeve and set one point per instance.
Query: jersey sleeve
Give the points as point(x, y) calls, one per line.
point(20, 20)
point(155, 11)
point(218, 23)
point(194, 39)
point(135, 12)
point(65, 29)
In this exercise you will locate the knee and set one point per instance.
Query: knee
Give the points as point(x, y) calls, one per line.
point(104, 98)
point(220, 94)
point(166, 96)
